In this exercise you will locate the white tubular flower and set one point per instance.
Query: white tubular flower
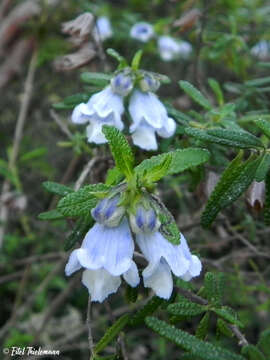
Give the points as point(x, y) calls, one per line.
point(169, 48)
point(108, 213)
point(122, 84)
point(164, 258)
point(106, 254)
point(142, 31)
point(104, 28)
point(261, 50)
point(149, 116)
point(103, 108)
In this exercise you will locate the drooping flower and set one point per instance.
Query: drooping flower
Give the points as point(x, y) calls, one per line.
point(169, 48)
point(142, 31)
point(104, 28)
point(163, 257)
point(103, 108)
point(261, 50)
point(106, 252)
point(149, 117)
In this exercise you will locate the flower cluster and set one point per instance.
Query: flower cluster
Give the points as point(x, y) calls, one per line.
point(107, 252)
point(169, 48)
point(149, 116)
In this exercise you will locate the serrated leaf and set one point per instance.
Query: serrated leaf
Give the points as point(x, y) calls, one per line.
point(121, 151)
point(234, 181)
point(78, 233)
point(181, 160)
point(203, 326)
point(228, 315)
point(264, 125)
point(214, 287)
point(195, 94)
point(238, 139)
point(149, 308)
point(264, 341)
point(56, 188)
point(186, 308)
point(202, 349)
point(111, 333)
point(81, 202)
point(94, 78)
point(252, 352)
point(50, 215)
point(158, 171)
point(114, 176)
point(263, 168)
point(71, 101)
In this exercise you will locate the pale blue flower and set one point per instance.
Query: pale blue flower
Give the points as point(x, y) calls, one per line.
point(169, 48)
point(163, 257)
point(142, 31)
point(122, 84)
point(104, 28)
point(106, 254)
point(149, 117)
point(103, 108)
point(261, 50)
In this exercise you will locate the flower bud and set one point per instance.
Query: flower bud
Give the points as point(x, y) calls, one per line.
point(122, 84)
point(149, 83)
point(144, 221)
point(108, 213)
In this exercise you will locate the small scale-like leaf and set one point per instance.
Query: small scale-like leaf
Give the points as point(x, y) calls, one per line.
point(264, 125)
point(234, 181)
point(186, 308)
point(98, 79)
point(81, 202)
point(190, 343)
point(56, 188)
point(195, 94)
point(111, 333)
point(252, 352)
point(50, 215)
point(238, 139)
point(121, 151)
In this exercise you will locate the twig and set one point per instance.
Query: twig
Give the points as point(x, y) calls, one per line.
point(88, 324)
point(60, 123)
point(84, 173)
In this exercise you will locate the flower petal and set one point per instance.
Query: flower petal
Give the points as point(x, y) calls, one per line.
point(154, 246)
point(111, 248)
point(73, 263)
point(100, 283)
point(144, 137)
point(160, 280)
point(142, 31)
point(168, 129)
point(94, 133)
point(132, 275)
point(80, 114)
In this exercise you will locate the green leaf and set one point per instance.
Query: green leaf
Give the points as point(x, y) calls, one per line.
point(50, 215)
point(34, 154)
point(78, 233)
point(264, 125)
point(179, 116)
point(266, 209)
point(122, 61)
point(217, 90)
point(135, 63)
point(234, 181)
point(230, 316)
point(149, 308)
point(223, 328)
point(158, 171)
point(114, 176)
point(202, 349)
point(195, 94)
point(203, 326)
point(81, 202)
point(252, 352)
point(56, 188)
point(264, 341)
point(238, 139)
point(214, 287)
point(263, 168)
point(131, 294)
point(111, 333)
point(94, 78)
point(258, 82)
point(186, 308)
point(121, 151)
point(71, 101)
point(181, 161)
